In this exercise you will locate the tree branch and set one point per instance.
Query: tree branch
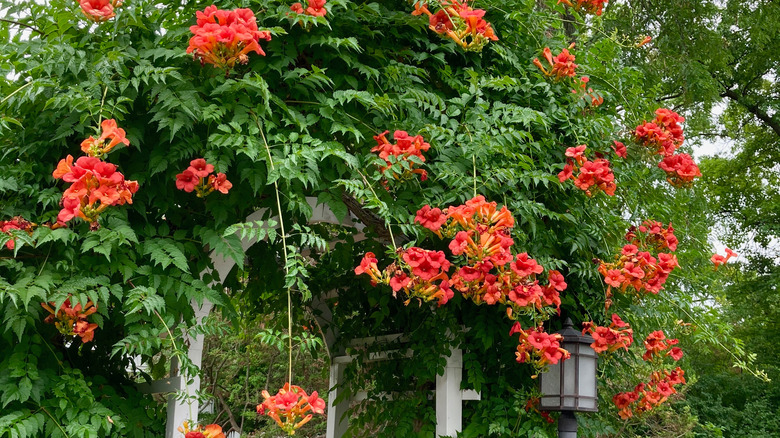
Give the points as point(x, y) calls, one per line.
point(369, 218)
point(33, 28)
point(753, 109)
point(671, 96)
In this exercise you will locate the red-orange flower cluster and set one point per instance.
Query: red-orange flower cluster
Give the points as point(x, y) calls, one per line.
point(636, 267)
point(717, 259)
point(620, 149)
point(653, 235)
point(587, 92)
point(680, 170)
point(538, 347)
point(489, 274)
point(290, 407)
point(618, 335)
point(486, 271)
point(315, 8)
point(459, 22)
point(223, 37)
point(15, 223)
point(96, 185)
point(99, 10)
point(595, 7)
point(198, 177)
point(656, 343)
point(664, 134)
point(72, 320)
point(404, 148)
point(209, 431)
point(110, 136)
point(592, 176)
point(647, 396)
point(561, 65)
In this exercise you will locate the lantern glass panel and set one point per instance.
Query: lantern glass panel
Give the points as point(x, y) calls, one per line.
point(570, 371)
point(587, 376)
point(551, 380)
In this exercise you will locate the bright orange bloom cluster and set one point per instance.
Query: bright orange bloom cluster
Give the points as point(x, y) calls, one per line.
point(99, 10)
point(562, 65)
point(222, 38)
point(680, 170)
point(636, 267)
point(538, 347)
point(404, 148)
point(618, 335)
point(72, 321)
point(459, 22)
point(664, 134)
point(595, 7)
point(96, 185)
point(422, 274)
point(489, 273)
point(110, 136)
point(656, 343)
point(15, 223)
point(316, 8)
point(647, 396)
point(199, 177)
point(290, 407)
point(717, 259)
point(209, 431)
point(652, 234)
point(592, 176)
point(587, 92)
point(620, 149)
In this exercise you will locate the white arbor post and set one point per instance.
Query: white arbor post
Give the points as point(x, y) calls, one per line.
point(187, 410)
point(449, 404)
point(448, 395)
point(337, 425)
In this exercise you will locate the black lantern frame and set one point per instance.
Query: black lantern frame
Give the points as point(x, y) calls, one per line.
point(562, 386)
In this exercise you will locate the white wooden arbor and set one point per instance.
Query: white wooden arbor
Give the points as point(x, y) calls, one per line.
point(448, 395)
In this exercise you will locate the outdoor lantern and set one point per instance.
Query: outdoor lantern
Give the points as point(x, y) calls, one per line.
point(570, 385)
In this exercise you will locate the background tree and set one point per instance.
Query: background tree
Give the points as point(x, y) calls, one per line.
point(716, 62)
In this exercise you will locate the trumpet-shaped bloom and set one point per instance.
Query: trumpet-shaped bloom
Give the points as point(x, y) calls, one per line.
point(95, 186)
point(291, 407)
point(99, 10)
point(72, 320)
point(198, 178)
point(223, 38)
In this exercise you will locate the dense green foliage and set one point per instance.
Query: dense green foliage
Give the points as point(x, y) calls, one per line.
point(723, 55)
point(301, 119)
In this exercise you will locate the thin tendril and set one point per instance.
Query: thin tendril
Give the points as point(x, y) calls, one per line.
point(389, 226)
point(284, 251)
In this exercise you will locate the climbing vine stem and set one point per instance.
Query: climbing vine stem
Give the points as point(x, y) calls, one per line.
point(284, 252)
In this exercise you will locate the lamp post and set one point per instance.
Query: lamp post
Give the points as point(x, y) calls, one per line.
point(570, 385)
